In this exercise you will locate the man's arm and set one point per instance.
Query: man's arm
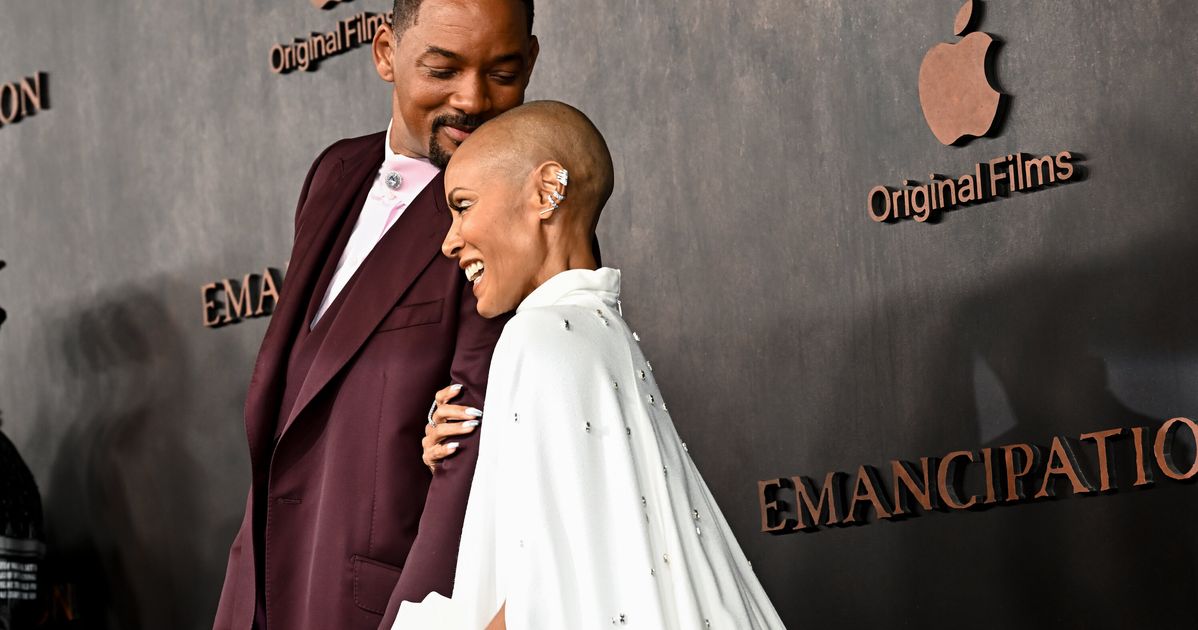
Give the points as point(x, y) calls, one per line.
point(431, 562)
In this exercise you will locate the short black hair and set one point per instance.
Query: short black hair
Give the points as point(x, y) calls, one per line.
point(405, 14)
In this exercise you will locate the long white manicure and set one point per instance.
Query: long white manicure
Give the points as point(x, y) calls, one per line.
point(470, 423)
point(452, 445)
point(474, 413)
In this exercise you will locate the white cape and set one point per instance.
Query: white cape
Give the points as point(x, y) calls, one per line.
point(585, 510)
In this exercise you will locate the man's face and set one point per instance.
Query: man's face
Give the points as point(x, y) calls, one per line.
point(495, 236)
point(460, 64)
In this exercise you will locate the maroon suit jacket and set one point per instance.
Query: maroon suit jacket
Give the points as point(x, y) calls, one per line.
point(353, 520)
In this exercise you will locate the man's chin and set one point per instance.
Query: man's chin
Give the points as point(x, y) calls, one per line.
point(440, 151)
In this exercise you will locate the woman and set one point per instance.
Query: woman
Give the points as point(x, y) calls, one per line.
point(585, 510)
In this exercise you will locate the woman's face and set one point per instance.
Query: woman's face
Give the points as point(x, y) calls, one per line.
point(495, 236)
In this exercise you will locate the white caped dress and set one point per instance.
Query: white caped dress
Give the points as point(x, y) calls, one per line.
point(585, 510)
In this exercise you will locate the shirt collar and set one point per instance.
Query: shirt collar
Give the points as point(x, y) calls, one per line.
point(603, 283)
point(390, 153)
point(416, 173)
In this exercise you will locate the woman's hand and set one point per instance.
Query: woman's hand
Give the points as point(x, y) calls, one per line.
point(445, 422)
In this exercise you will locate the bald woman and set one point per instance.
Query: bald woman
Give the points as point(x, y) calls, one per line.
point(585, 510)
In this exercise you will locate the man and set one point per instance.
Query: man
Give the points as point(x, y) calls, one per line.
point(343, 518)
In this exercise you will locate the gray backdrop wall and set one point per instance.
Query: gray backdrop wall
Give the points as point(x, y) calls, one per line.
point(790, 333)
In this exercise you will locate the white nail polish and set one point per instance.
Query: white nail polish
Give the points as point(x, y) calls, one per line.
point(470, 423)
point(455, 387)
point(474, 413)
point(451, 445)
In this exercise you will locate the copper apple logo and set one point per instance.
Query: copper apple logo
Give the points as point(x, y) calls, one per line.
point(957, 98)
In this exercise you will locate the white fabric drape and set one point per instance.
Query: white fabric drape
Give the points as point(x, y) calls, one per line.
point(586, 511)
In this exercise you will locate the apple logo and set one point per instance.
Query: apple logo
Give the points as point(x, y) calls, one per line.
point(956, 95)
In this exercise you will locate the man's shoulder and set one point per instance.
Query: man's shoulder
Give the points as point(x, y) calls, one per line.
point(349, 146)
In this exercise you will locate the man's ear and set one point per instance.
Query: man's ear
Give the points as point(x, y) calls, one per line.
point(550, 192)
point(534, 49)
point(383, 49)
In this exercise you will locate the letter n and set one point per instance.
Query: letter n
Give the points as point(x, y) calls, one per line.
point(903, 474)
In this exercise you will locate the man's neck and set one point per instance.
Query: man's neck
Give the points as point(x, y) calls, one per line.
point(395, 148)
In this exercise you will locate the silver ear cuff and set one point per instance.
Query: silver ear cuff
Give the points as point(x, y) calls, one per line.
point(556, 198)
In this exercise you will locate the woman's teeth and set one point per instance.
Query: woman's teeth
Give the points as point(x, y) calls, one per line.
point(474, 271)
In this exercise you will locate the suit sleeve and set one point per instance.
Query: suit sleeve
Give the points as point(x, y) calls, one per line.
point(431, 562)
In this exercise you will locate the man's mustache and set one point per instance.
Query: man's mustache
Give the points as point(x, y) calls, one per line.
point(461, 121)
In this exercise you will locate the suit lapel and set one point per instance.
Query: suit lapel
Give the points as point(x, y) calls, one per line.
point(391, 267)
point(328, 206)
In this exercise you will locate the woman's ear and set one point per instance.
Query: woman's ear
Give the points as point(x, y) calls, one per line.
point(550, 180)
point(383, 50)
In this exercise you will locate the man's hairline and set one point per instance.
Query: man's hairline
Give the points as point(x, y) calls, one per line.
point(395, 30)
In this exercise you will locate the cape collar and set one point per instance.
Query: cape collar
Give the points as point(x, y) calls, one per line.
point(603, 283)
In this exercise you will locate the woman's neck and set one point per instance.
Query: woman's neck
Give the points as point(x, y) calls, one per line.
point(566, 254)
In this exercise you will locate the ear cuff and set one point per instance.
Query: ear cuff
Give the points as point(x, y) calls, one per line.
point(556, 198)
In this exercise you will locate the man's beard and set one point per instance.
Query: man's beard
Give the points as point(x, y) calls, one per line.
point(437, 153)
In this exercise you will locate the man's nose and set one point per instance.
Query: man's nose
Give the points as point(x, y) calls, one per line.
point(472, 95)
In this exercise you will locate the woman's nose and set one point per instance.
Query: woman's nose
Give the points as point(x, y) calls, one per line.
point(452, 245)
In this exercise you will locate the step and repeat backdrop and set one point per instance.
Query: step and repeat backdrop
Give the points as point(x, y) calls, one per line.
point(918, 279)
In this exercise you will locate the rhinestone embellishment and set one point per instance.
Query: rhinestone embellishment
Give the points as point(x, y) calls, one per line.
point(394, 180)
point(636, 337)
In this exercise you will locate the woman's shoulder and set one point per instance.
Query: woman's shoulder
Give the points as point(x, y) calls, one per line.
point(559, 332)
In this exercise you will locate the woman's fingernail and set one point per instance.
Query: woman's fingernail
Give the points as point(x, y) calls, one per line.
point(474, 413)
point(455, 387)
point(470, 423)
point(451, 445)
